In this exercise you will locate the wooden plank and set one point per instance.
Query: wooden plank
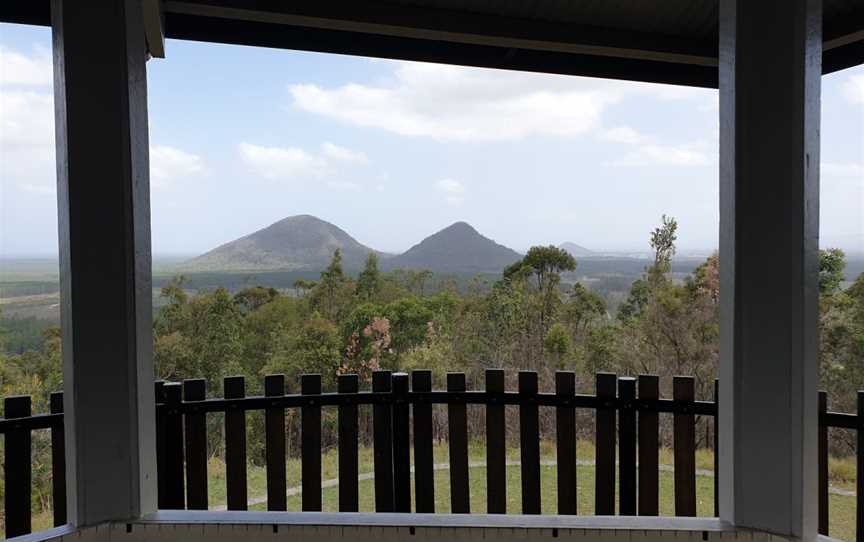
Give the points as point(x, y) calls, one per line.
point(382, 441)
point(349, 495)
point(649, 448)
point(716, 479)
point(17, 468)
point(457, 422)
point(196, 446)
point(274, 442)
point(310, 445)
point(496, 464)
point(604, 476)
point(823, 465)
point(161, 481)
point(627, 447)
point(174, 475)
point(235, 446)
point(401, 444)
point(859, 479)
point(565, 433)
point(529, 442)
point(683, 392)
point(58, 461)
point(424, 474)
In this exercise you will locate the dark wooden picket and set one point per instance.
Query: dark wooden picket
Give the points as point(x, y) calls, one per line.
point(196, 446)
point(274, 443)
point(349, 495)
point(823, 465)
point(457, 422)
point(18, 469)
point(382, 443)
point(310, 445)
point(235, 446)
point(58, 460)
point(496, 461)
point(424, 474)
point(627, 446)
point(649, 447)
point(604, 476)
point(174, 492)
point(529, 442)
point(684, 443)
point(859, 479)
point(565, 433)
point(401, 444)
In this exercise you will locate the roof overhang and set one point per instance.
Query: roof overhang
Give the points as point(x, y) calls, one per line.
point(425, 31)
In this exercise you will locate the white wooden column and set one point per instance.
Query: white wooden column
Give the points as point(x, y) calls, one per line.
point(100, 93)
point(770, 65)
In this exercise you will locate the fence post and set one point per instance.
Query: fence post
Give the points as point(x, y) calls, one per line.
point(565, 440)
point(161, 456)
point(424, 474)
point(196, 446)
point(17, 468)
point(529, 442)
point(627, 446)
point(716, 447)
point(274, 443)
point(401, 444)
point(683, 392)
point(58, 460)
point(349, 499)
point(649, 446)
point(382, 435)
point(859, 478)
point(460, 502)
point(604, 477)
point(496, 465)
point(310, 444)
point(823, 464)
point(235, 445)
point(174, 492)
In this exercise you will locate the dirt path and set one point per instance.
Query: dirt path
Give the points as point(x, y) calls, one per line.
point(334, 482)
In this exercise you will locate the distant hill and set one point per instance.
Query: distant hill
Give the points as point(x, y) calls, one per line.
point(296, 243)
point(577, 251)
point(458, 248)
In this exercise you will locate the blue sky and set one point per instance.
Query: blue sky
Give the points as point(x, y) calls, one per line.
point(394, 151)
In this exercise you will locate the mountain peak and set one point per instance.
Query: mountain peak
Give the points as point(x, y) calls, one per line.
point(457, 248)
point(575, 250)
point(295, 243)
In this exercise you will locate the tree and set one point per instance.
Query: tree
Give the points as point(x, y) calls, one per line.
point(251, 299)
point(832, 264)
point(332, 295)
point(663, 242)
point(369, 280)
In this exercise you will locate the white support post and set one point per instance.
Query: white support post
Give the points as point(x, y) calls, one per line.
point(100, 94)
point(770, 67)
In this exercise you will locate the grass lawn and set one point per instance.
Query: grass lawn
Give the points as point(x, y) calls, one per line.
point(842, 508)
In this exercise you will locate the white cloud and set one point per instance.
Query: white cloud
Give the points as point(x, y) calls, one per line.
point(647, 151)
point(294, 163)
point(853, 89)
point(454, 191)
point(622, 134)
point(341, 154)
point(282, 163)
point(20, 69)
point(848, 169)
point(170, 165)
point(665, 155)
point(463, 104)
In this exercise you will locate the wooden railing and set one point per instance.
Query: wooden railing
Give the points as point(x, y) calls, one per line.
point(627, 421)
